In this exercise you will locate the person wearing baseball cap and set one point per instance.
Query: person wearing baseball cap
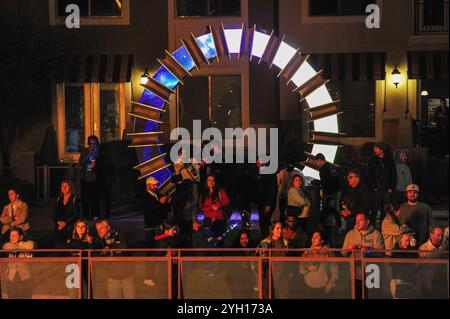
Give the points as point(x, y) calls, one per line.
point(415, 214)
point(156, 209)
point(413, 188)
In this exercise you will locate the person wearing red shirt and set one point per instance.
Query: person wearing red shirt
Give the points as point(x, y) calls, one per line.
point(212, 203)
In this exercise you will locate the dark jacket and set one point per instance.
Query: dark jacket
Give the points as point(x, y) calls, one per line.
point(68, 213)
point(89, 173)
point(381, 173)
point(297, 239)
point(356, 199)
point(266, 190)
point(154, 212)
point(111, 241)
point(418, 218)
point(330, 178)
point(76, 244)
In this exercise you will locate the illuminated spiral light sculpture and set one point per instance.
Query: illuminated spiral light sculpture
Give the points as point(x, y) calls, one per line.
point(230, 42)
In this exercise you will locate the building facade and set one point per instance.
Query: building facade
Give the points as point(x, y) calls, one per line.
point(98, 76)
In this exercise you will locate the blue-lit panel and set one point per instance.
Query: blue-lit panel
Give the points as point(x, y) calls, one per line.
point(150, 152)
point(151, 99)
point(183, 57)
point(163, 76)
point(151, 126)
point(206, 44)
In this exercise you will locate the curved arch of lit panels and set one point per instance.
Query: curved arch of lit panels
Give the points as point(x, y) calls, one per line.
point(203, 50)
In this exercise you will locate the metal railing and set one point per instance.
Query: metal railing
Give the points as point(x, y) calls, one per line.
point(421, 26)
point(213, 273)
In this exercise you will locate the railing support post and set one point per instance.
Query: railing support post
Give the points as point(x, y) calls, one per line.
point(45, 183)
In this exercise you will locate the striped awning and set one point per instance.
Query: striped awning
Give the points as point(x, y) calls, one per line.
point(350, 66)
point(428, 65)
point(95, 68)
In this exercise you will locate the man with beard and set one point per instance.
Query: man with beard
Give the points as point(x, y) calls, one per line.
point(415, 214)
point(362, 240)
point(355, 199)
point(293, 234)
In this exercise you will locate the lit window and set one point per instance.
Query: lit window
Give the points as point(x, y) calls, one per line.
point(74, 118)
point(89, 109)
point(92, 12)
point(215, 100)
point(92, 8)
point(208, 8)
point(338, 7)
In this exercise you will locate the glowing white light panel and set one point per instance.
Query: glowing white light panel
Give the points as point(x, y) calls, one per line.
point(284, 55)
point(260, 41)
point(303, 74)
point(329, 124)
point(233, 37)
point(307, 171)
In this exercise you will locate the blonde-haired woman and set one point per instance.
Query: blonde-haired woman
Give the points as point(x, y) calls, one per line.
point(67, 211)
point(81, 237)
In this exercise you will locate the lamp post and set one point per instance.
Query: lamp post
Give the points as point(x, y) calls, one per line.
point(396, 77)
point(144, 77)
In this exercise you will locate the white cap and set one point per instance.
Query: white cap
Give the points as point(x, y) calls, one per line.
point(151, 180)
point(412, 187)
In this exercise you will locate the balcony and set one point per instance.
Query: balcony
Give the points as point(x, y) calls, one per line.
point(223, 274)
point(431, 16)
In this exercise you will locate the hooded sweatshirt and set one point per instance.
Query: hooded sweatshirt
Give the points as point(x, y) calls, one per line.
point(371, 239)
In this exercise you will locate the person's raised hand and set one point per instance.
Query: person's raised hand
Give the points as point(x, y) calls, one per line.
point(345, 213)
point(195, 227)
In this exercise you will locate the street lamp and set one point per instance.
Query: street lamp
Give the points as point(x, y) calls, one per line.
point(396, 76)
point(424, 93)
point(144, 77)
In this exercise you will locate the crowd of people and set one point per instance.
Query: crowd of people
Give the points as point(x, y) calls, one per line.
point(375, 213)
